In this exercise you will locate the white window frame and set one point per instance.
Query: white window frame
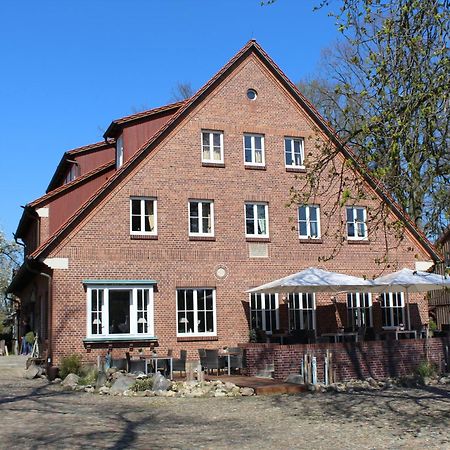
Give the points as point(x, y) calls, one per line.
point(308, 222)
point(292, 140)
point(119, 152)
point(263, 310)
point(211, 159)
point(253, 150)
point(201, 232)
point(356, 223)
point(195, 331)
point(255, 219)
point(387, 304)
point(357, 305)
point(313, 310)
point(105, 325)
point(142, 232)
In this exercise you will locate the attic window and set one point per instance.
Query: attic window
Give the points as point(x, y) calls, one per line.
point(251, 94)
point(119, 152)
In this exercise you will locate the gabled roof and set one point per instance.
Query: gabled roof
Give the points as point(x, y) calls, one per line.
point(252, 47)
point(29, 209)
point(64, 164)
point(116, 125)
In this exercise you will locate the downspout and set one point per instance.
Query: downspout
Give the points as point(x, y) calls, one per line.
point(50, 308)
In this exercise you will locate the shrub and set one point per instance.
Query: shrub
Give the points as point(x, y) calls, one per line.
point(142, 385)
point(432, 325)
point(425, 369)
point(70, 364)
point(88, 375)
point(29, 338)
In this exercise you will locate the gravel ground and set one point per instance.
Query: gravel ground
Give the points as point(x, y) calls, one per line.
point(35, 415)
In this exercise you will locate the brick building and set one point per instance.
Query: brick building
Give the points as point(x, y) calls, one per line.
point(153, 236)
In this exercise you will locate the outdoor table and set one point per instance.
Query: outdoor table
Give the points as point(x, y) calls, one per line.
point(397, 333)
point(155, 359)
point(228, 355)
point(341, 335)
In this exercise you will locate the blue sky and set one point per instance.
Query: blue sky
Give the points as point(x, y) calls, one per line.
point(68, 68)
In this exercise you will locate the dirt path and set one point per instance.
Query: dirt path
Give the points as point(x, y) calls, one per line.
point(36, 415)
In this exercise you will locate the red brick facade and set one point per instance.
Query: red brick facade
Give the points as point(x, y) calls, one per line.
point(376, 359)
point(100, 246)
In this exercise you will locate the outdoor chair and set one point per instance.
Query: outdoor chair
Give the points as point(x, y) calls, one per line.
point(179, 364)
point(236, 360)
point(135, 365)
point(202, 355)
point(213, 362)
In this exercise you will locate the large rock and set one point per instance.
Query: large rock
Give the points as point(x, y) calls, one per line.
point(71, 381)
point(33, 371)
point(160, 383)
point(247, 391)
point(121, 384)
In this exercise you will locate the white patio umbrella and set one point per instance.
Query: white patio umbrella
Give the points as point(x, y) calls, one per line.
point(313, 280)
point(407, 280)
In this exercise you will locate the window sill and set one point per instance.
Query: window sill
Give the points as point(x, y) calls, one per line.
point(251, 167)
point(358, 241)
point(196, 338)
point(122, 342)
point(213, 164)
point(257, 239)
point(310, 241)
point(144, 237)
point(202, 238)
point(296, 169)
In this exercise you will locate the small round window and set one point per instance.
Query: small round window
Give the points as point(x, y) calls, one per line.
point(252, 94)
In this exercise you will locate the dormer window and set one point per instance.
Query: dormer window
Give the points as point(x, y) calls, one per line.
point(71, 173)
point(119, 152)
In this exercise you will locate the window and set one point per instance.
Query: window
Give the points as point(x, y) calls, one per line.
point(254, 149)
point(212, 147)
point(264, 312)
point(294, 153)
point(252, 94)
point(356, 223)
point(392, 309)
point(115, 311)
point(302, 311)
point(143, 216)
point(119, 152)
point(71, 173)
point(309, 222)
point(201, 218)
point(196, 312)
point(359, 310)
point(256, 220)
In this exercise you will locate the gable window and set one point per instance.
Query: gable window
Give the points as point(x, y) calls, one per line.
point(264, 312)
point(392, 309)
point(201, 218)
point(359, 310)
point(256, 220)
point(119, 152)
point(212, 147)
point(309, 222)
point(302, 311)
point(196, 312)
point(254, 149)
point(294, 153)
point(356, 223)
point(117, 311)
point(143, 216)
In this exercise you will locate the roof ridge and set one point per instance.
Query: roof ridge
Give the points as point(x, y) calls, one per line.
point(89, 147)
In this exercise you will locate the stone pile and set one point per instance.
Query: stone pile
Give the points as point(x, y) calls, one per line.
point(121, 383)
